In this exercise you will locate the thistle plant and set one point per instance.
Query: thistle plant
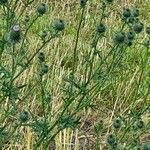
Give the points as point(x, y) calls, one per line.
point(93, 79)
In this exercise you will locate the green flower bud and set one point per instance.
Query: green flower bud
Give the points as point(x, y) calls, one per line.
point(120, 37)
point(146, 146)
point(41, 57)
point(138, 27)
point(126, 13)
point(24, 116)
point(41, 8)
point(58, 25)
point(101, 28)
point(15, 34)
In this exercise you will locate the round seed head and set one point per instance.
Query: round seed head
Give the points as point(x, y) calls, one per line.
point(41, 8)
point(138, 27)
point(24, 116)
point(58, 25)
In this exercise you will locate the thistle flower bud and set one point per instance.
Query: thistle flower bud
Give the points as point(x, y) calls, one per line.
point(129, 43)
point(43, 34)
point(44, 69)
point(148, 30)
point(126, 13)
point(117, 123)
point(130, 36)
point(135, 12)
point(138, 125)
point(24, 116)
point(111, 140)
point(101, 28)
point(109, 1)
point(41, 8)
point(15, 34)
point(131, 19)
point(26, 18)
point(41, 57)
point(58, 25)
point(2, 2)
point(120, 37)
point(48, 97)
point(83, 3)
point(138, 27)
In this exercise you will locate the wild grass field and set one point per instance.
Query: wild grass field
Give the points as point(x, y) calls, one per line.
point(75, 75)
